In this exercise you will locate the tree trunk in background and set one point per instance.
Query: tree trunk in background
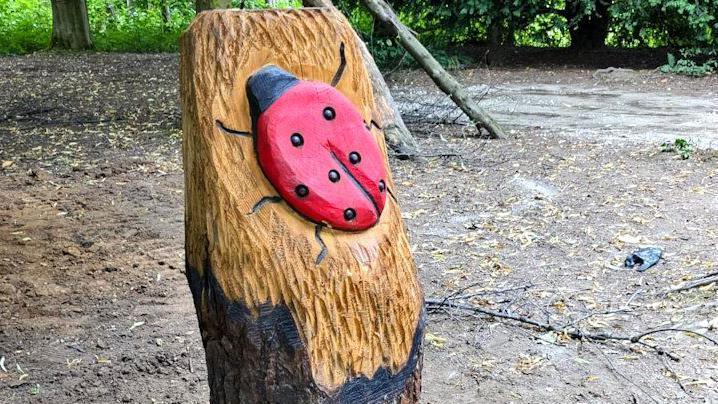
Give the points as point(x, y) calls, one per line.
point(446, 82)
point(495, 39)
point(395, 131)
point(166, 14)
point(280, 324)
point(201, 5)
point(589, 32)
point(70, 26)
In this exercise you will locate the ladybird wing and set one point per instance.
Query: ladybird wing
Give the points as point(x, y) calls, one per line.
point(356, 148)
point(299, 150)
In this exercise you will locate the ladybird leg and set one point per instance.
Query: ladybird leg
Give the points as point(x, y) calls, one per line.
point(342, 65)
point(372, 123)
point(324, 251)
point(234, 132)
point(391, 194)
point(265, 200)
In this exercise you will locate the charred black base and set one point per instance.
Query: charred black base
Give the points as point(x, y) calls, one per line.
point(263, 359)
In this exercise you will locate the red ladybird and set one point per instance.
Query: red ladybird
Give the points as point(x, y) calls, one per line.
point(316, 150)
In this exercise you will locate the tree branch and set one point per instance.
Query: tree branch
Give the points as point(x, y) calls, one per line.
point(395, 131)
point(705, 281)
point(569, 330)
point(383, 12)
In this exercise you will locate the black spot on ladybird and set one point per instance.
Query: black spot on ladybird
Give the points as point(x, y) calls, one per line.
point(354, 158)
point(297, 139)
point(329, 113)
point(350, 214)
point(334, 176)
point(382, 185)
point(301, 190)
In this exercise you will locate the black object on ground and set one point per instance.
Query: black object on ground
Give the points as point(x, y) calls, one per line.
point(645, 257)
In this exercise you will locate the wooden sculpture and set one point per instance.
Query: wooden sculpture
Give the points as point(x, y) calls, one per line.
point(297, 257)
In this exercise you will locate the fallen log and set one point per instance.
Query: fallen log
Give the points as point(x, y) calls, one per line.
point(384, 13)
point(297, 257)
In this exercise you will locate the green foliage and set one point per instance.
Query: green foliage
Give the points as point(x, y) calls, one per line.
point(687, 64)
point(144, 26)
point(688, 26)
point(457, 21)
point(680, 146)
point(390, 55)
point(254, 4)
point(674, 23)
point(25, 25)
point(34, 390)
point(546, 30)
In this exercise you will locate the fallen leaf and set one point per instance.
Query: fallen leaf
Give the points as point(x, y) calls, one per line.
point(435, 340)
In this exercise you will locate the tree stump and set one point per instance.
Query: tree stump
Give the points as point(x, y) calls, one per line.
point(297, 257)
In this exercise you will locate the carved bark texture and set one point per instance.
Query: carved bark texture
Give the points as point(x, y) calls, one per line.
point(448, 84)
point(396, 133)
point(276, 326)
point(70, 26)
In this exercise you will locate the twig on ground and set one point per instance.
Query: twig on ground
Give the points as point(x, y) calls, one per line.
point(455, 295)
point(613, 369)
point(624, 309)
point(675, 376)
point(638, 337)
point(700, 282)
point(568, 330)
point(598, 313)
point(440, 155)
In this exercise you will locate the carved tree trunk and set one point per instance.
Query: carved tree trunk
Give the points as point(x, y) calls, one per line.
point(202, 5)
point(70, 26)
point(395, 131)
point(290, 309)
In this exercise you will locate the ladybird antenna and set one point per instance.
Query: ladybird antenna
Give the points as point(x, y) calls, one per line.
point(230, 131)
point(342, 66)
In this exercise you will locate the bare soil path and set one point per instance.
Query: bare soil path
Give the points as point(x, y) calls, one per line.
point(94, 306)
point(596, 105)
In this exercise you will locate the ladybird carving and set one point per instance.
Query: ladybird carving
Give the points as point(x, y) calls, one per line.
point(316, 151)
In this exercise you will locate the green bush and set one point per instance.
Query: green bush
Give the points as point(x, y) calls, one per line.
point(25, 25)
point(142, 27)
point(690, 27)
point(680, 146)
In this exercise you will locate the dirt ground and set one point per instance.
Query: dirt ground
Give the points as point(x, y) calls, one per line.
point(94, 305)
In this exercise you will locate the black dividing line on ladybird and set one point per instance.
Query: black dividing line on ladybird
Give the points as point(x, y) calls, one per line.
point(265, 200)
point(225, 129)
point(356, 183)
point(323, 253)
point(342, 66)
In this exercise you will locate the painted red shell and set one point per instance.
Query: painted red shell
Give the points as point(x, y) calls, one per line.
point(317, 152)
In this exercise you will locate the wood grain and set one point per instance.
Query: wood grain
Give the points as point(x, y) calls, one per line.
point(360, 310)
